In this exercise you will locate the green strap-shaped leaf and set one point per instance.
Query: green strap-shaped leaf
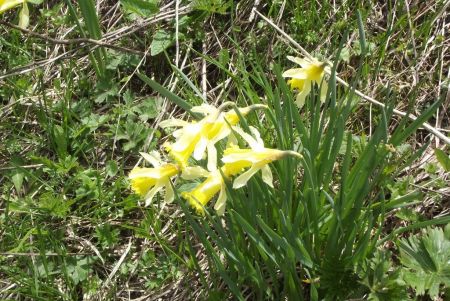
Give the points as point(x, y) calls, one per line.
point(168, 94)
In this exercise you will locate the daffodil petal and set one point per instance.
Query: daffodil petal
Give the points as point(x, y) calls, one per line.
point(193, 128)
point(145, 173)
point(190, 135)
point(200, 148)
point(323, 90)
point(267, 176)
point(257, 136)
point(151, 194)
point(170, 194)
point(205, 109)
point(177, 133)
point(243, 178)
point(221, 201)
point(224, 132)
point(302, 62)
point(173, 122)
point(298, 73)
point(153, 158)
point(194, 172)
point(315, 72)
point(300, 100)
point(232, 140)
point(24, 16)
point(236, 157)
point(212, 156)
point(249, 139)
point(301, 97)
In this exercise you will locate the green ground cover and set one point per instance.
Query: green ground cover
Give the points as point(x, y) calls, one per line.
point(363, 214)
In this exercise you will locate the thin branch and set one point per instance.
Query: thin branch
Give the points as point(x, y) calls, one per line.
point(23, 166)
point(46, 254)
point(77, 41)
point(427, 126)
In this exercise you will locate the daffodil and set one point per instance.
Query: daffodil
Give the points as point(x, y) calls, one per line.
point(301, 79)
point(24, 15)
point(236, 160)
point(214, 183)
point(204, 192)
point(8, 4)
point(193, 139)
point(257, 158)
point(146, 182)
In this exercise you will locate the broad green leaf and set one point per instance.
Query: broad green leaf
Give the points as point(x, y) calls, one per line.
point(79, 269)
point(189, 82)
point(90, 18)
point(161, 41)
point(426, 259)
point(144, 8)
point(212, 6)
point(299, 250)
point(345, 55)
point(402, 133)
point(111, 168)
point(383, 279)
point(17, 179)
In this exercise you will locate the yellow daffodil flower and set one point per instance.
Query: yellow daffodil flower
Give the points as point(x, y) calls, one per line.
point(236, 160)
point(214, 183)
point(24, 15)
point(8, 4)
point(146, 182)
point(302, 78)
point(203, 193)
point(193, 139)
point(257, 158)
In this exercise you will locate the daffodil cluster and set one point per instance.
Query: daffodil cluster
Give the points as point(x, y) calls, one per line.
point(24, 15)
point(301, 79)
point(197, 140)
